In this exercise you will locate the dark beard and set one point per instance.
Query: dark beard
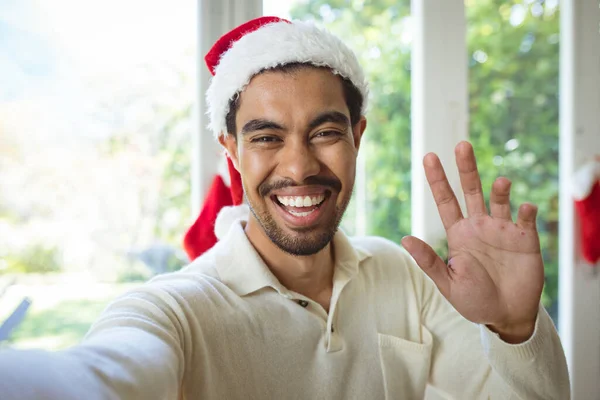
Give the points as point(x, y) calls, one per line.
point(309, 242)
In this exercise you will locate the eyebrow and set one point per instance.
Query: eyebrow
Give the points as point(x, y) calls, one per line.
point(264, 124)
point(259, 125)
point(329, 116)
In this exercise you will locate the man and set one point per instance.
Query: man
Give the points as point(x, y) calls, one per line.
point(285, 306)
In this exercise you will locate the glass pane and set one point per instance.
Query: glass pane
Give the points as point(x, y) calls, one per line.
point(513, 87)
point(94, 141)
point(379, 31)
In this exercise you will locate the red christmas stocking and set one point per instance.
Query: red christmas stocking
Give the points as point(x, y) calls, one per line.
point(587, 205)
point(201, 235)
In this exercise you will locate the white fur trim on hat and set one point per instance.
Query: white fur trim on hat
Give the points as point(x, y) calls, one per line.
point(228, 216)
point(274, 45)
point(584, 180)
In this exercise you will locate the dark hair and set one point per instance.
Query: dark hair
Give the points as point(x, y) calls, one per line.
point(353, 96)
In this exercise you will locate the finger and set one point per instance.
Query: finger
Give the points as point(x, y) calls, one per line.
point(500, 199)
point(443, 195)
point(429, 262)
point(527, 215)
point(469, 178)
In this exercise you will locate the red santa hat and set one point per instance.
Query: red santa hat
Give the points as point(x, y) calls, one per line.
point(586, 193)
point(260, 44)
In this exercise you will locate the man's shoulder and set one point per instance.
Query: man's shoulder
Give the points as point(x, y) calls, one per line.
point(383, 255)
point(198, 275)
point(203, 265)
point(172, 299)
point(378, 247)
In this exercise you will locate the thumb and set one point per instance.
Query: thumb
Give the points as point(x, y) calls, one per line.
point(429, 262)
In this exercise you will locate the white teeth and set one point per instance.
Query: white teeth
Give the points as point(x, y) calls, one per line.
point(301, 214)
point(300, 201)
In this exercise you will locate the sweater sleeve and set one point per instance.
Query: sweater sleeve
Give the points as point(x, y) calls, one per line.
point(471, 362)
point(134, 351)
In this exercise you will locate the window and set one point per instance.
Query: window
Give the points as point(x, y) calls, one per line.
point(513, 89)
point(513, 92)
point(95, 168)
point(95, 136)
point(380, 34)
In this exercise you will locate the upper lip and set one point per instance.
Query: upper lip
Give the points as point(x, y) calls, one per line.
point(301, 191)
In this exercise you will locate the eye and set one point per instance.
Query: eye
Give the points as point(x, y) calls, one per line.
point(264, 139)
point(328, 134)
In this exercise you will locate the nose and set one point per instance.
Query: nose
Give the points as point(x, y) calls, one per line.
point(298, 161)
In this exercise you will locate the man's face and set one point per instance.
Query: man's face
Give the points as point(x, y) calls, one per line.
point(296, 152)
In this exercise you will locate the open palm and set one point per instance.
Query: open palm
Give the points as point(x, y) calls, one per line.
point(495, 272)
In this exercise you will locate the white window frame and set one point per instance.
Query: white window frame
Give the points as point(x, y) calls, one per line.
point(215, 17)
point(439, 103)
point(579, 285)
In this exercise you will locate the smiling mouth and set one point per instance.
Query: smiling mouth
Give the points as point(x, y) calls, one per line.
point(301, 206)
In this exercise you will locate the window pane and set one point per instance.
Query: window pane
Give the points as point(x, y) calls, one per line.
point(379, 31)
point(513, 89)
point(94, 140)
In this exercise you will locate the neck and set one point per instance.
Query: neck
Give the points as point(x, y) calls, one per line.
point(311, 276)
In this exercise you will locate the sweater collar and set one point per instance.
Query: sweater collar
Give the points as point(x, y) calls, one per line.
point(242, 269)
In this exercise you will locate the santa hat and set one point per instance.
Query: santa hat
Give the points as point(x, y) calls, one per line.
point(260, 44)
point(586, 193)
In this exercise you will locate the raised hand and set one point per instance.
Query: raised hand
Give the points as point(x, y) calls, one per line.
point(495, 272)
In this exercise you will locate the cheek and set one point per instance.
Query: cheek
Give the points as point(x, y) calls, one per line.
point(254, 167)
point(341, 161)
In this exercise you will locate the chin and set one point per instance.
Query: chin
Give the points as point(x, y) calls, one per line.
point(297, 241)
point(300, 245)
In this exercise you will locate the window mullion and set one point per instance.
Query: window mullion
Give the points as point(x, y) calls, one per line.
point(215, 17)
point(439, 102)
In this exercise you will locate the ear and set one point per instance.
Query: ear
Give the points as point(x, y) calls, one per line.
point(229, 143)
point(358, 130)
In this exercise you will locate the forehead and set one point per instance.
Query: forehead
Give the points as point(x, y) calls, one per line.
point(300, 93)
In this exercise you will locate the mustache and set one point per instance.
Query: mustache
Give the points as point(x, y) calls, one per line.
point(267, 187)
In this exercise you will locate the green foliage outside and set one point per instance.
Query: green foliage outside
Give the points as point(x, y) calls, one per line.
point(175, 189)
point(59, 327)
point(513, 87)
point(376, 31)
point(60, 314)
point(514, 110)
point(35, 258)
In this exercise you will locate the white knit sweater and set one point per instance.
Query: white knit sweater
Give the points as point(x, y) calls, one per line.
point(225, 328)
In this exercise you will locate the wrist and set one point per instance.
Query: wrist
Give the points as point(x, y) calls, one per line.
point(514, 333)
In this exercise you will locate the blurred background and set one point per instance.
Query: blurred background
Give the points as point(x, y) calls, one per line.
point(95, 103)
point(96, 123)
point(104, 158)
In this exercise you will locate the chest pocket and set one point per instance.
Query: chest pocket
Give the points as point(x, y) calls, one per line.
point(405, 366)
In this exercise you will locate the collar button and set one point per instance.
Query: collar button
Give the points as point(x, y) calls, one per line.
point(303, 303)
